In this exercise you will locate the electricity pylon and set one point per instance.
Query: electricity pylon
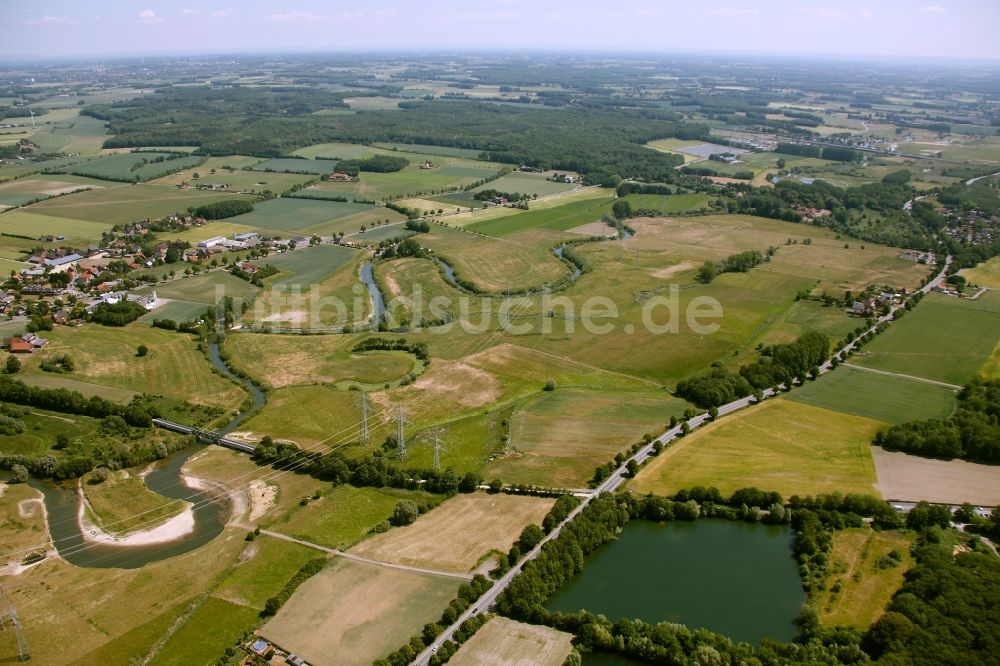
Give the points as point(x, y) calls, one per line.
point(401, 422)
point(7, 612)
point(364, 405)
point(438, 447)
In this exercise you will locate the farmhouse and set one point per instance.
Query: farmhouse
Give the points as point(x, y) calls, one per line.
point(339, 177)
point(25, 344)
point(247, 237)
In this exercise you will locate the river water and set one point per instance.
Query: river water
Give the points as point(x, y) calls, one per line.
point(210, 511)
point(738, 579)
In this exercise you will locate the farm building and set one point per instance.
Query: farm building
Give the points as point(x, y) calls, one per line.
point(62, 263)
point(337, 176)
point(210, 242)
point(247, 237)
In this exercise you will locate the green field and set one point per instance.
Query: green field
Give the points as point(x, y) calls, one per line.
point(192, 644)
point(29, 224)
point(41, 430)
point(176, 310)
point(672, 203)
point(291, 165)
point(306, 216)
point(271, 564)
point(309, 266)
point(343, 516)
point(412, 180)
point(444, 151)
point(789, 447)
point(139, 166)
point(559, 218)
point(526, 183)
point(876, 396)
point(943, 338)
point(123, 205)
point(206, 288)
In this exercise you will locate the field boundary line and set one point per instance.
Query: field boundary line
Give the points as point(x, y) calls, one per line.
point(586, 365)
point(903, 376)
point(366, 560)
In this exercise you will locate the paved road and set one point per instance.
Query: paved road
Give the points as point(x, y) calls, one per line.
point(611, 484)
point(358, 558)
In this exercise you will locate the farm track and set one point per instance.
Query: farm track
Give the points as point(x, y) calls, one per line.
point(902, 376)
point(359, 558)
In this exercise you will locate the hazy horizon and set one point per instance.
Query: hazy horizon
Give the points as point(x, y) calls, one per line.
point(854, 29)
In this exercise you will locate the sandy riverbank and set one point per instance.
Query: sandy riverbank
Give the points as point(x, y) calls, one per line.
point(172, 529)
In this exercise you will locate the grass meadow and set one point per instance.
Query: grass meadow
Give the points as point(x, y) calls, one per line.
point(106, 356)
point(857, 591)
point(559, 437)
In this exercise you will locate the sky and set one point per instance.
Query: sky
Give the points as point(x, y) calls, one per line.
point(867, 28)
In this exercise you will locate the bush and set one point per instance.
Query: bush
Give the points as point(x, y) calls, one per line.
point(142, 351)
point(405, 513)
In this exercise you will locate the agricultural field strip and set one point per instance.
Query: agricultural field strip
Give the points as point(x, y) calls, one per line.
point(612, 483)
point(902, 376)
point(359, 558)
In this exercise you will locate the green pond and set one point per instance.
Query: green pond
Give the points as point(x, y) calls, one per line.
point(734, 578)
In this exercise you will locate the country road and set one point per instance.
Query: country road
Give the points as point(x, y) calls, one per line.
point(901, 375)
point(619, 477)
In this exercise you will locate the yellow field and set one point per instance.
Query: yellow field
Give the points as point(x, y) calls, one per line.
point(503, 642)
point(458, 534)
point(986, 274)
point(352, 613)
point(792, 448)
point(865, 589)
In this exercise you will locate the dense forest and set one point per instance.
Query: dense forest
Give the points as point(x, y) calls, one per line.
point(267, 123)
point(972, 433)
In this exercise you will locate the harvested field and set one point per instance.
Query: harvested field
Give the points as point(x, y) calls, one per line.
point(912, 478)
point(458, 534)
point(503, 642)
point(353, 613)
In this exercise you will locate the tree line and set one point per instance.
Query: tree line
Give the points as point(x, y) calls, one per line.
point(778, 364)
point(734, 263)
point(971, 433)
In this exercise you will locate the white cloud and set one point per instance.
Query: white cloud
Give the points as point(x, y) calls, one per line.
point(932, 9)
point(149, 16)
point(221, 13)
point(385, 13)
point(307, 17)
point(190, 12)
point(731, 11)
point(52, 20)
